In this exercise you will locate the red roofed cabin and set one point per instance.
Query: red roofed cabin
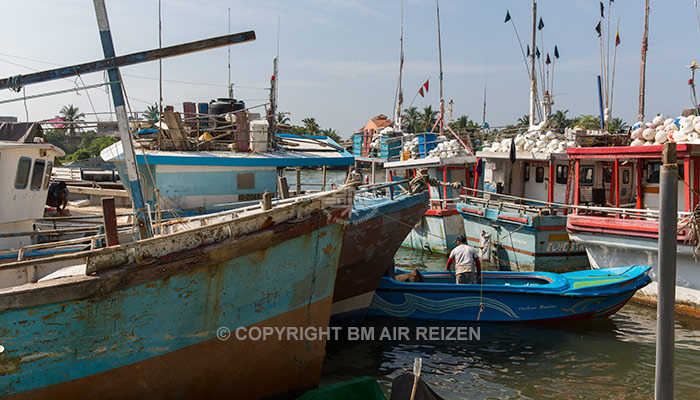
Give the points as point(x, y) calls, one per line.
point(373, 127)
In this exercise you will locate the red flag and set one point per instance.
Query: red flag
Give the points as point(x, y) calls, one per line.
point(420, 92)
point(425, 85)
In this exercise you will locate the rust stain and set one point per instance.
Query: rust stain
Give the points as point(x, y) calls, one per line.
point(268, 222)
point(323, 234)
point(152, 285)
point(328, 249)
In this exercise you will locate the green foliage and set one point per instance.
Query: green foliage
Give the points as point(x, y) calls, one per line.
point(560, 121)
point(427, 119)
point(311, 126)
point(59, 139)
point(524, 121)
point(463, 123)
point(282, 118)
point(152, 113)
point(90, 146)
point(588, 121)
point(410, 120)
point(71, 114)
point(331, 133)
point(617, 124)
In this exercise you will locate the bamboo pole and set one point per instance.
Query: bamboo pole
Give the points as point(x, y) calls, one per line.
point(643, 65)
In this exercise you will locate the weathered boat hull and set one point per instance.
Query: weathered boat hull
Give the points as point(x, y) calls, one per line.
point(436, 232)
point(608, 250)
point(576, 295)
point(524, 242)
point(153, 326)
point(374, 233)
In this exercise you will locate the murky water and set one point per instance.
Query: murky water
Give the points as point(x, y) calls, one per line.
point(606, 358)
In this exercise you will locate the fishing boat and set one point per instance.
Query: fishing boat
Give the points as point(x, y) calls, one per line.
point(511, 296)
point(620, 225)
point(26, 163)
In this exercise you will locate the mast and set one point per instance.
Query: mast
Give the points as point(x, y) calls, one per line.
point(533, 77)
point(141, 218)
point(230, 88)
point(399, 103)
point(160, 68)
point(442, 100)
point(273, 105)
point(643, 66)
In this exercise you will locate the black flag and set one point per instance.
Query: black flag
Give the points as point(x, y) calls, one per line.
point(556, 52)
point(528, 50)
point(537, 52)
point(540, 25)
point(507, 16)
point(602, 10)
point(512, 150)
point(597, 29)
point(548, 61)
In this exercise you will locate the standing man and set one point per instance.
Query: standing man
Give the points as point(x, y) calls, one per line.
point(464, 257)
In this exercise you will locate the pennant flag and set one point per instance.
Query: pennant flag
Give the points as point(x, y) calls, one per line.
point(420, 92)
point(548, 61)
point(426, 84)
point(556, 52)
point(528, 50)
point(537, 52)
point(540, 25)
point(512, 150)
point(602, 10)
point(617, 37)
point(598, 29)
point(507, 16)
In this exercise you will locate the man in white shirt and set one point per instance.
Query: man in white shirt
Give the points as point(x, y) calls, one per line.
point(464, 257)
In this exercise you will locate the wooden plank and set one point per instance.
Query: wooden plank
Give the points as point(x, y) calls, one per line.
point(176, 130)
point(97, 191)
point(130, 59)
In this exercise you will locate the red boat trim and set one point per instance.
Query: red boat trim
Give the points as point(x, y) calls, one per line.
point(522, 220)
point(472, 211)
point(551, 228)
point(442, 212)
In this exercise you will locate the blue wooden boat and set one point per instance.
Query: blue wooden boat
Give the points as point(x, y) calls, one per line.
point(511, 296)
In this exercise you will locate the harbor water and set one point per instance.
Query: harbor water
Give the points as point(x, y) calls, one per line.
point(604, 358)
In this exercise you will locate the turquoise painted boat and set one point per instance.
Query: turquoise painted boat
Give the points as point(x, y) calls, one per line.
point(511, 296)
point(168, 317)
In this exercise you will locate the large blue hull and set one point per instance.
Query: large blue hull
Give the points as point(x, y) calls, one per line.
point(510, 296)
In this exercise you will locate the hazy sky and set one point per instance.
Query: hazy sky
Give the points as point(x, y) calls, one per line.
point(339, 58)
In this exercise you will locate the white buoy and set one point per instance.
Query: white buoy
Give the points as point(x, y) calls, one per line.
point(657, 120)
point(661, 137)
point(648, 134)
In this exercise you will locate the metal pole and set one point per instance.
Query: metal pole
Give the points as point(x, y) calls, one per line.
point(134, 185)
point(600, 105)
point(533, 77)
point(668, 227)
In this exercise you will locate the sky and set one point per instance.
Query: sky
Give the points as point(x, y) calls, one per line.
point(339, 59)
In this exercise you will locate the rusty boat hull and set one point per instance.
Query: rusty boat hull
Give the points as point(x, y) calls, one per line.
point(145, 322)
point(375, 231)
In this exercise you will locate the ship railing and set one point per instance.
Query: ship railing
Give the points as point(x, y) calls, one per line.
point(396, 142)
point(388, 189)
point(540, 207)
point(444, 204)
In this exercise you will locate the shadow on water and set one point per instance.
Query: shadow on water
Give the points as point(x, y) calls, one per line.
point(604, 358)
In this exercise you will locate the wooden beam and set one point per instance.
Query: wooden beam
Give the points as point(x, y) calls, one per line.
point(129, 59)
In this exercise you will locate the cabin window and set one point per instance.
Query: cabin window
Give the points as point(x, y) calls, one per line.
point(47, 175)
point(654, 170)
point(562, 174)
point(586, 178)
point(539, 174)
point(37, 174)
point(607, 174)
point(625, 176)
point(527, 172)
point(22, 177)
point(245, 181)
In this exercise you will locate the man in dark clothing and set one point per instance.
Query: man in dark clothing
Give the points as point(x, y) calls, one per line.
point(58, 197)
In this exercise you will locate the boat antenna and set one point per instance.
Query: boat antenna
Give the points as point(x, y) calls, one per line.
point(399, 91)
point(441, 120)
point(486, 69)
point(533, 77)
point(643, 65)
point(160, 68)
point(612, 80)
point(230, 87)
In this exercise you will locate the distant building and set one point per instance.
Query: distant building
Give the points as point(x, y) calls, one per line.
point(376, 124)
point(8, 119)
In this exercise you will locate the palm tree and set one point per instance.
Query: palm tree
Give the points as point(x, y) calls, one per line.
point(152, 113)
point(559, 119)
point(410, 120)
point(428, 117)
point(310, 125)
point(588, 121)
point(524, 121)
point(282, 118)
point(331, 133)
point(616, 124)
point(70, 114)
